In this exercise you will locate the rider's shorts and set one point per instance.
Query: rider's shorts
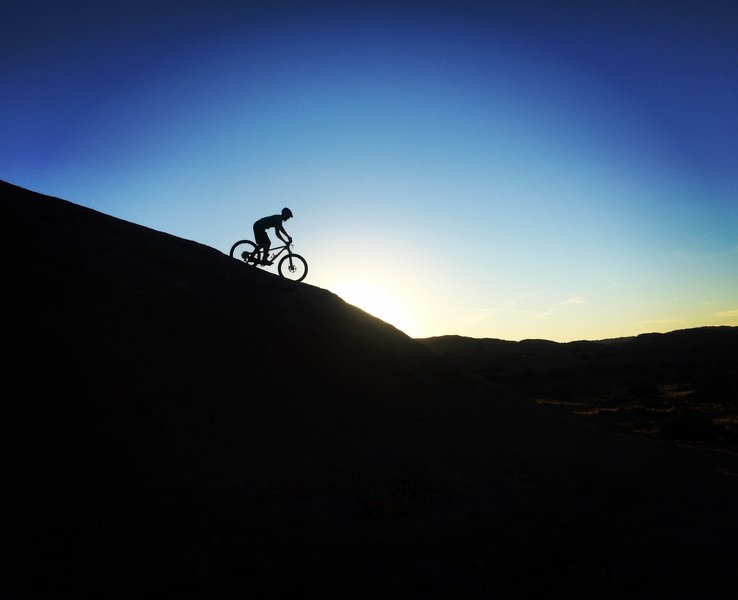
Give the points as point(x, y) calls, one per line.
point(260, 236)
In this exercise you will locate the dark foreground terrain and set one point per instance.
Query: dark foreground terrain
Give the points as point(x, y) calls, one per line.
point(155, 454)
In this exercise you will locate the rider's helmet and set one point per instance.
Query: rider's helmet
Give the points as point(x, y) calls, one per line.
point(286, 213)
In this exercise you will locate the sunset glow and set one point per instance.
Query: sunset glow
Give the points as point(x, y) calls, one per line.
point(378, 302)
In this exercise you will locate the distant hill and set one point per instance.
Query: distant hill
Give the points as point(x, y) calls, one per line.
point(700, 348)
point(182, 425)
point(678, 385)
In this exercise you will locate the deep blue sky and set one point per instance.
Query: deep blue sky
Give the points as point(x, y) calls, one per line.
point(502, 169)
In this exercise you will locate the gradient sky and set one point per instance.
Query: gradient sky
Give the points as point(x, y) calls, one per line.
point(512, 170)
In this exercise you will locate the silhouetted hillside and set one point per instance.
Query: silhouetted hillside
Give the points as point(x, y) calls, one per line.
point(699, 348)
point(182, 425)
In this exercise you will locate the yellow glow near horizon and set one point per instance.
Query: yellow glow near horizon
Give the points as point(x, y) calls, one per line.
point(378, 302)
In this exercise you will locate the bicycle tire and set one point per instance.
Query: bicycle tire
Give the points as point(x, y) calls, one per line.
point(240, 247)
point(293, 266)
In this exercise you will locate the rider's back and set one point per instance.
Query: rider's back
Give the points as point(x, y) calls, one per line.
point(269, 222)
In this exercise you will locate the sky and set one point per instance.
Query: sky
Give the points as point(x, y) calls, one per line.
point(511, 170)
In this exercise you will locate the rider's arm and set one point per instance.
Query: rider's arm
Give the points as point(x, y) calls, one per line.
point(280, 231)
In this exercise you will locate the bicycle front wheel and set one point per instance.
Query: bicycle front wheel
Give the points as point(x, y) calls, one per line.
point(243, 250)
point(293, 266)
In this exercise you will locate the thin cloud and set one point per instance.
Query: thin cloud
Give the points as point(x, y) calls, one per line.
point(724, 253)
point(733, 314)
point(476, 314)
point(535, 315)
point(575, 299)
point(482, 311)
point(660, 321)
point(511, 306)
point(528, 295)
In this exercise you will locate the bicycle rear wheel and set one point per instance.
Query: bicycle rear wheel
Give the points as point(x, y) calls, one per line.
point(293, 266)
point(242, 250)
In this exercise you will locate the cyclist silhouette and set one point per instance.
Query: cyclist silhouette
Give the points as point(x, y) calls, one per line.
point(261, 236)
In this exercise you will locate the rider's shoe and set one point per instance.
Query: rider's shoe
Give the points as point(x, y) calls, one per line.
point(267, 262)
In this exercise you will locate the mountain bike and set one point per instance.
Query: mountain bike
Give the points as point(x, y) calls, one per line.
point(290, 266)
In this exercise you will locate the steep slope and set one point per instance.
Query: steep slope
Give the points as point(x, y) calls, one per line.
point(183, 425)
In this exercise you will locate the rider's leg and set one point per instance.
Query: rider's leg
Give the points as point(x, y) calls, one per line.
point(261, 252)
point(266, 246)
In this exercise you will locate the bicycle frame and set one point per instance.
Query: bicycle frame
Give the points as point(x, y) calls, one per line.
point(277, 251)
